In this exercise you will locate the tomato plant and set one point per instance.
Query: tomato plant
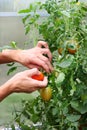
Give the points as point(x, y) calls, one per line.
point(64, 27)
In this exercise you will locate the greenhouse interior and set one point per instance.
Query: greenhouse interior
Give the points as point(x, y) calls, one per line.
point(43, 64)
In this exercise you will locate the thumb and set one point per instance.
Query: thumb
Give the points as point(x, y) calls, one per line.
point(33, 71)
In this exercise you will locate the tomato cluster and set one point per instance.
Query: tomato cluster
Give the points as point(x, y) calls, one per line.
point(46, 93)
point(71, 47)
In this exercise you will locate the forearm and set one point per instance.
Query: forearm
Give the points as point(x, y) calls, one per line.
point(7, 56)
point(5, 90)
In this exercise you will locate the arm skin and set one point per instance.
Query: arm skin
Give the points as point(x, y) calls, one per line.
point(7, 59)
point(22, 82)
point(31, 58)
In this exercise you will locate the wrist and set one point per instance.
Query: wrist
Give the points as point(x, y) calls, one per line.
point(10, 55)
point(5, 90)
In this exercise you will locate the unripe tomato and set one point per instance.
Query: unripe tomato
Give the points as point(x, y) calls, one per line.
point(84, 97)
point(39, 77)
point(46, 93)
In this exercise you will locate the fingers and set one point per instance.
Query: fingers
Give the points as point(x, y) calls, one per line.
point(42, 44)
point(34, 66)
point(43, 64)
point(25, 82)
point(45, 50)
point(40, 57)
point(32, 72)
point(41, 84)
point(35, 83)
point(46, 63)
point(48, 53)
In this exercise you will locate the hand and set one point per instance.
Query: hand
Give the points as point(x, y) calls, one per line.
point(23, 82)
point(35, 57)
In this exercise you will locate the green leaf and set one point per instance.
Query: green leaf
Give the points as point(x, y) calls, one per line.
point(66, 13)
point(31, 7)
point(84, 8)
point(67, 62)
point(14, 44)
point(65, 111)
point(11, 70)
point(69, 128)
point(34, 118)
point(5, 47)
point(24, 127)
point(73, 118)
point(13, 127)
point(60, 78)
point(27, 29)
point(24, 11)
point(25, 18)
point(79, 106)
point(55, 111)
point(10, 64)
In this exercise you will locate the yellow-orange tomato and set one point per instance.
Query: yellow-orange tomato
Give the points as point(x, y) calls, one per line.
point(46, 93)
point(60, 50)
point(39, 77)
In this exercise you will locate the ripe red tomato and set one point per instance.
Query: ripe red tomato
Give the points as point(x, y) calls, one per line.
point(71, 51)
point(72, 46)
point(39, 77)
point(46, 93)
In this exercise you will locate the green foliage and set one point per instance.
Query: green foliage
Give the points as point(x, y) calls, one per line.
point(64, 26)
point(13, 67)
point(12, 45)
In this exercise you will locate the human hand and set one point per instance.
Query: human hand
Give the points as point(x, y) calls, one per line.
point(35, 57)
point(23, 81)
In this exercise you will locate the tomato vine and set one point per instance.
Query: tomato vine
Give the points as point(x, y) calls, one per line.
point(64, 27)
